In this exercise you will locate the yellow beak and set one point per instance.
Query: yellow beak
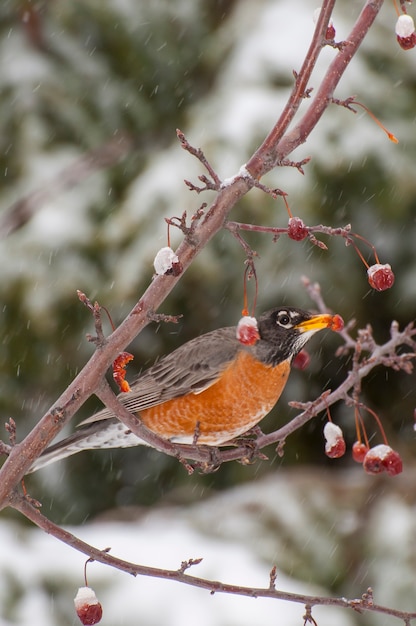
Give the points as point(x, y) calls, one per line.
point(318, 322)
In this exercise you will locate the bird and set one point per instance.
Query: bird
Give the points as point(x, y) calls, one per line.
point(208, 391)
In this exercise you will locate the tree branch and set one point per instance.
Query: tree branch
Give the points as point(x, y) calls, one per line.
point(361, 605)
point(276, 146)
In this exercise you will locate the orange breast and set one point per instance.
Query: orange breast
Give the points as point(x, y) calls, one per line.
point(245, 392)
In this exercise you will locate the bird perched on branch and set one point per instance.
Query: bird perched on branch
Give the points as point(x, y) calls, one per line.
point(208, 391)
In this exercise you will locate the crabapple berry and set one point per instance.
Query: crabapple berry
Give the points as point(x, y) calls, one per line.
point(393, 463)
point(380, 277)
point(334, 441)
point(359, 450)
point(337, 323)
point(88, 609)
point(382, 458)
point(296, 229)
point(405, 32)
point(247, 331)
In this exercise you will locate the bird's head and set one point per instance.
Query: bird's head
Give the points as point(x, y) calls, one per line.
point(285, 330)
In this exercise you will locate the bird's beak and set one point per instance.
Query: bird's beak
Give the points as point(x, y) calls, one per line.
point(318, 322)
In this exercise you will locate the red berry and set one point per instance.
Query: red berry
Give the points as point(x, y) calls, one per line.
point(380, 276)
point(301, 360)
point(372, 463)
point(88, 609)
point(335, 443)
point(337, 323)
point(359, 450)
point(405, 31)
point(296, 229)
point(335, 450)
point(383, 458)
point(393, 463)
point(407, 43)
point(247, 331)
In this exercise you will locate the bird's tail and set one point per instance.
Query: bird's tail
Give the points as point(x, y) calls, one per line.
point(106, 433)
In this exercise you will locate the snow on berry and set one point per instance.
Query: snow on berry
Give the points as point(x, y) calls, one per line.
point(88, 609)
point(334, 441)
point(166, 262)
point(359, 450)
point(296, 229)
point(380, 276)
point(382, 458)
point(247, 331)
point(405, 26)
point(405, 31)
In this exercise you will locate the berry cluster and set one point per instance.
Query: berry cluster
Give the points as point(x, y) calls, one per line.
point(382, 458)
point(380, 276)
point(375, 460)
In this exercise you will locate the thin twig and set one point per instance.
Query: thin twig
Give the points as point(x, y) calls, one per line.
point(215, 183)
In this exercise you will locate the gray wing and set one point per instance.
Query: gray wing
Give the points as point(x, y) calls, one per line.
point(191, 368)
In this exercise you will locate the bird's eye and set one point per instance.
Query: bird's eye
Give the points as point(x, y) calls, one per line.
point(283, 319)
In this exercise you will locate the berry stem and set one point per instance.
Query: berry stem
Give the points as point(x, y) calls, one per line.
point(380, 425)
point(328, 414)
point(370, 245)
point(396, 8)
point(360, 254)
point(249, 272)
point(287, 207)
point(360, 427)
point(377, 121)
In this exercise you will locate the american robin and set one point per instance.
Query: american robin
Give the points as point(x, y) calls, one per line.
point(210, 390)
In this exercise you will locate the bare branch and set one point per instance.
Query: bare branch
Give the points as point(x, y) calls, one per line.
point(276, 147)
point(363, 604)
